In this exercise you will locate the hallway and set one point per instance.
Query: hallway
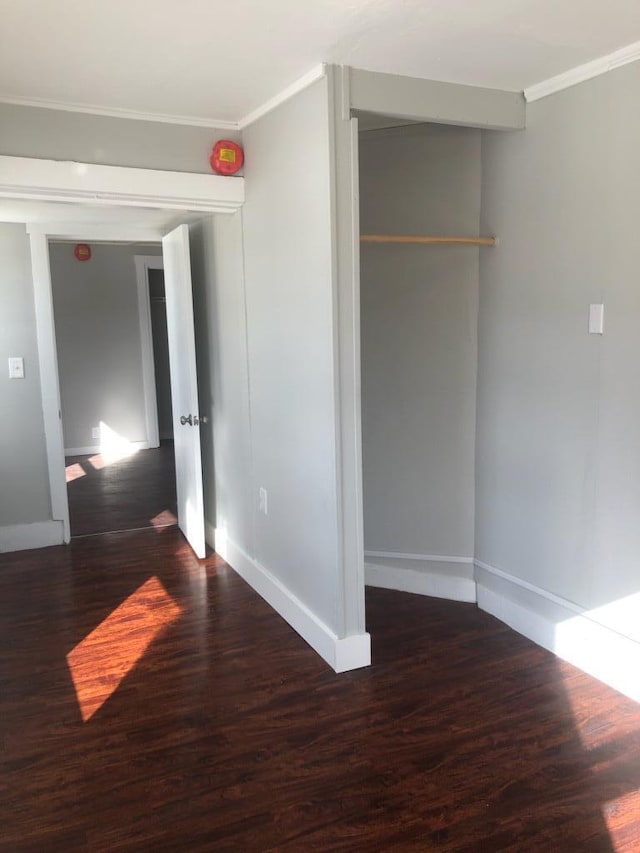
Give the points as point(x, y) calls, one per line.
point(126, 492)
point(150, 700)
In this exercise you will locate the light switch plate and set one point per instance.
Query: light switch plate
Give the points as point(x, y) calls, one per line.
point(596, 319)
point(16, 368)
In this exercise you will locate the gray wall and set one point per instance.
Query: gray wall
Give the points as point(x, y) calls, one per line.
point(558, 476)
point(288, 274)
point(419, 345)
point(265, 340)
point(24, 482)
point(98, 341)
point(59, 135)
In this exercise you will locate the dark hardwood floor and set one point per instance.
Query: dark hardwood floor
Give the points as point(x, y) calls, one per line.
point(150, 701)
point(107, 494)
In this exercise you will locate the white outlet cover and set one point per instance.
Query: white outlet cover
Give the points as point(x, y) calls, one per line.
point(16, 368)
point(596, 319)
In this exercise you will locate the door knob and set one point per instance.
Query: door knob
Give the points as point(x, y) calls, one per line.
point(186, 419)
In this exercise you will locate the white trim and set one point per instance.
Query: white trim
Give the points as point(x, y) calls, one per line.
point(550, 596)
point(580, 73)
point(97, 448)
point(426, 581)
point(22, 537)
point(50, 180)
point(49, 385)
point(341, 653)
point(316, 73)
point(73, 232)
point(345, 297)
point(568, 632)
point(143, 264)
point(118, 112)
point(426, 558)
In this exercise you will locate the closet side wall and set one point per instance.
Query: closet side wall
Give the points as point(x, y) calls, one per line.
point(419, 347)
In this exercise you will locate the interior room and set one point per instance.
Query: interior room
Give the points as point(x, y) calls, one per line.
point(389, 598)
point(109, 308)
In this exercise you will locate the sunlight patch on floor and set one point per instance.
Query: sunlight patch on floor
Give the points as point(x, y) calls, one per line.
point(618, 815)
point(74, 472)
point(113, 448)
point(100, 662)
point(163, 519)
point(610, 654)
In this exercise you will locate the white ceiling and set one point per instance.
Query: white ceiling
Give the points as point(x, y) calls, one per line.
point(215, 59)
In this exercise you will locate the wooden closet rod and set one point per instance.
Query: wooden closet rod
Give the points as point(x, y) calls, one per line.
point(405, 238)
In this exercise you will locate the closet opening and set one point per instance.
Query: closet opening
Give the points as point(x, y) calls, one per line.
point(420, 192)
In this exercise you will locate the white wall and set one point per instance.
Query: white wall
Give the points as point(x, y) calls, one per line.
point(558, 478)
point(98, 342)
point(419, 345)
point(24, 485)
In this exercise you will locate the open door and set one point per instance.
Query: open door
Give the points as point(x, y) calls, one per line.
point(184, 386)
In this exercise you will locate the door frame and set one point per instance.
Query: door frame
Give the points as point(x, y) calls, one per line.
point(39, 236)
point(82, 184)
point(143, 264)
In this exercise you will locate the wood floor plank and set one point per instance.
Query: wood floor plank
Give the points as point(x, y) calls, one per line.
point(212, 725)
point(108, 493)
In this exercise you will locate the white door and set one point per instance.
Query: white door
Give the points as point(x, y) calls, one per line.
point(184, 386)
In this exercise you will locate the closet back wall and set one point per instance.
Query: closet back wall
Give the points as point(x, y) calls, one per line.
point(419, 343)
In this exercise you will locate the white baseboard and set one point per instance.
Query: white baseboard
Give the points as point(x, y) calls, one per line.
point(436, 576)
point(561, 627)
point(97, 448)
point(341, 653)
point(22, 537)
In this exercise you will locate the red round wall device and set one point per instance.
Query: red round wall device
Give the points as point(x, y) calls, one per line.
point(227, 157)
point(82, 252)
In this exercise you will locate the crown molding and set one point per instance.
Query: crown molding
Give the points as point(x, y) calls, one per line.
point(580, 73)
point(316, 73)
point(116, 112)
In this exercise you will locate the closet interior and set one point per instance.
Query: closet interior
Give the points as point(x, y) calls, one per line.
point(421, 239)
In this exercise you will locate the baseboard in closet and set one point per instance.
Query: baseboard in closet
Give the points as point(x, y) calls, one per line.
point(440, 577)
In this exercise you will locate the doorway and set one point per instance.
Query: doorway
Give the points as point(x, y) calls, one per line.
point(113, 365)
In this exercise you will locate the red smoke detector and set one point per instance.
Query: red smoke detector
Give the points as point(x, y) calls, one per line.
point(82, 252)
point(227, 157)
